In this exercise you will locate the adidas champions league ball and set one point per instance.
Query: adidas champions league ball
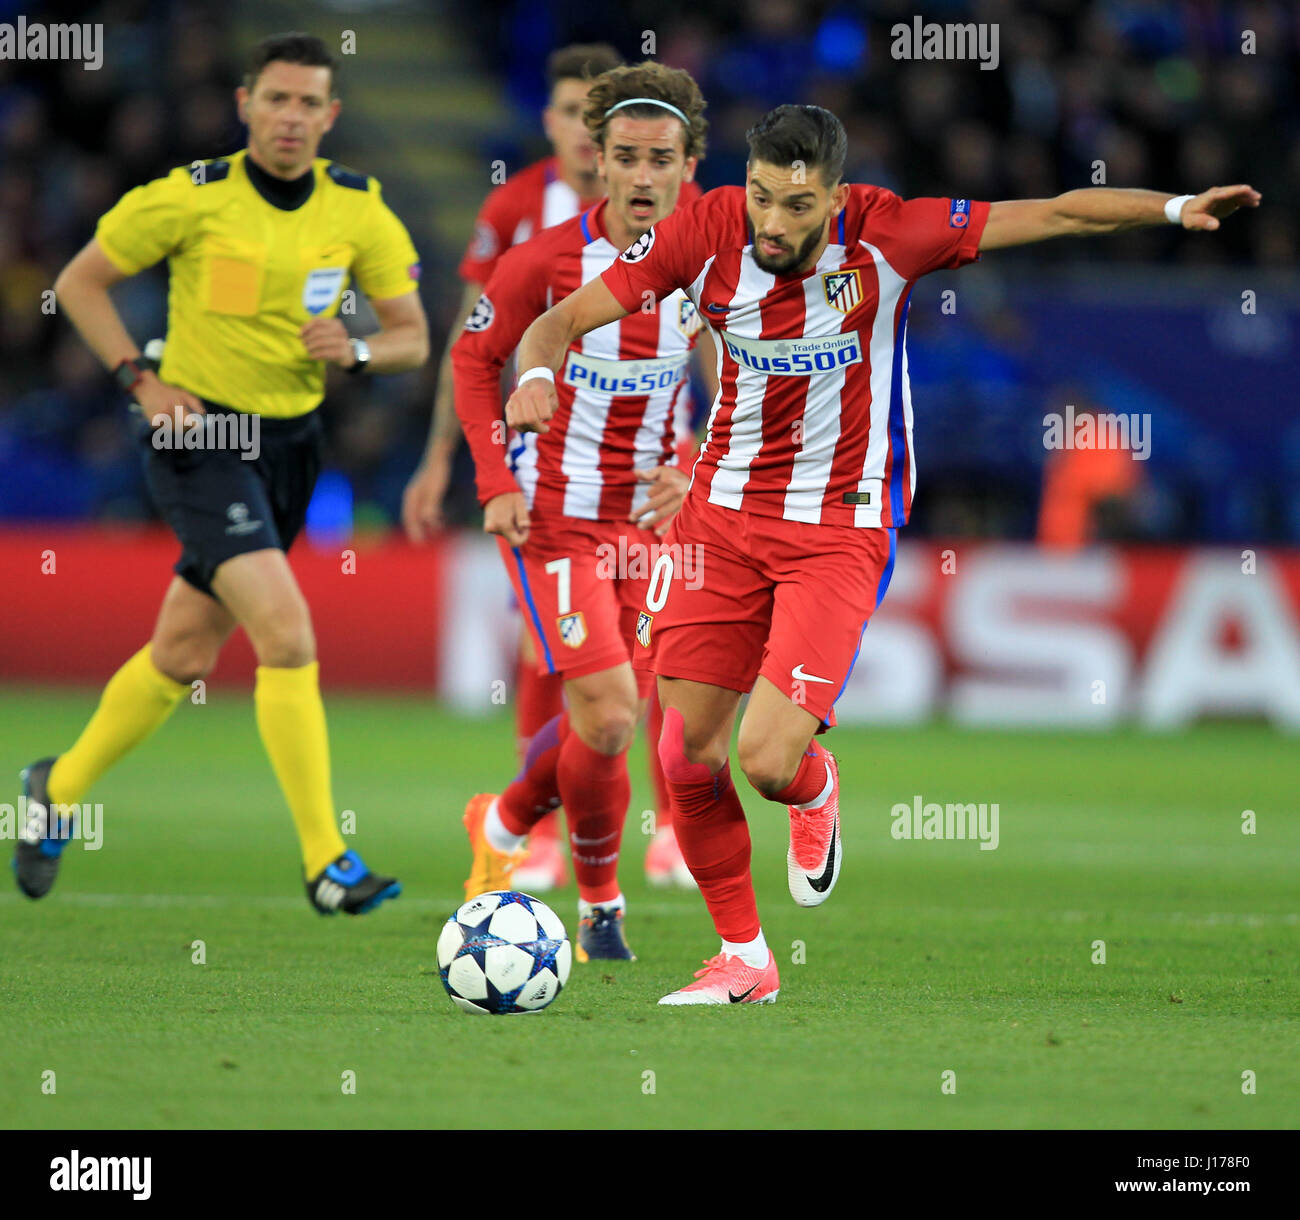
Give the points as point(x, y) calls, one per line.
point(504, 952)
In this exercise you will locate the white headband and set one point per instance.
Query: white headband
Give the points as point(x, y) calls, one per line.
point(648, 101)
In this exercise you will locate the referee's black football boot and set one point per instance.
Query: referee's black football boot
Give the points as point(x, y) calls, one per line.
point(349, 886)
point(41, 839)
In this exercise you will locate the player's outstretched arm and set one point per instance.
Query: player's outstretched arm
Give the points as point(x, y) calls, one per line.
point(1098, 210)
point(541, 351)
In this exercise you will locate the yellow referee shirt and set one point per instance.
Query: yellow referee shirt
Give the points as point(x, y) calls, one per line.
point(246, 275)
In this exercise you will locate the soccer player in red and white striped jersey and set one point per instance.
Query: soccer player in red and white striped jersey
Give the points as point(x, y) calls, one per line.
point(546, 193)
point(802, 482)
point(579, 507)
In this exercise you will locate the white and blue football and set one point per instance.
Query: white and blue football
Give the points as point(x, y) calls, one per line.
point(504, 952)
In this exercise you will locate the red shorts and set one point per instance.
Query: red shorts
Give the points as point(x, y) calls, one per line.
point(581, 585)
point(741, 595)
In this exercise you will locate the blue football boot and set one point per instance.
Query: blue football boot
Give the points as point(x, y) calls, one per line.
point(40, 844)
point(349, 886)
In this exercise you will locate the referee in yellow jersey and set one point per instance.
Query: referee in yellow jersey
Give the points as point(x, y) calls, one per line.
point(260, 247)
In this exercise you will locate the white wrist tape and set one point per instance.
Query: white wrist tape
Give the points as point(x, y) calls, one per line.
point(540, 371)
point(1174, 208)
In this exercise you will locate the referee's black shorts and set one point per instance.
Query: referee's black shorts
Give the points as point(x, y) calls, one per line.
point(229, 497)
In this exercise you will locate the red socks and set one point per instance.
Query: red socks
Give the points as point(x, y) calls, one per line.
point(539, 698)
point(654, 729)
point(808, 781)
point(712, 833)
point(535, 792)
point(595, 789)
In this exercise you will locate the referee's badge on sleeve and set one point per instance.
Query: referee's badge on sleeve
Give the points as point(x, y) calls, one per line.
point(321, 287)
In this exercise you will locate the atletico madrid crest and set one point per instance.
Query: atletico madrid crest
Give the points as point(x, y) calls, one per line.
point(843, 289)
point(643, 622)
point(573, 629)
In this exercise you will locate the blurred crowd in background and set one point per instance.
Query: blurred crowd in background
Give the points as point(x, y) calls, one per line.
point(1157, 89)
point(1160, 93)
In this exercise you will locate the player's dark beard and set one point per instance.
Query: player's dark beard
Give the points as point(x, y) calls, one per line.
point(787, 262)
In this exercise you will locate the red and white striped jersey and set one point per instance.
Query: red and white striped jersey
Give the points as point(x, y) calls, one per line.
point(527, 202)
point(621, 388)
point(813, 419)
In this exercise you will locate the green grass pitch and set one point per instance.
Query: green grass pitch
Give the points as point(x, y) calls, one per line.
point(931, 957)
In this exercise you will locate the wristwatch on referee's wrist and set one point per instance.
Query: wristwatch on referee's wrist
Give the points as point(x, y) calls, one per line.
point(128, 375)
point(360, 356)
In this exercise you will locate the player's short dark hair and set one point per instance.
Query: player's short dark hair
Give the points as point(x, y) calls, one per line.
point(292, 48)
point(801, 133)
point(648, 79)
point(581, 61)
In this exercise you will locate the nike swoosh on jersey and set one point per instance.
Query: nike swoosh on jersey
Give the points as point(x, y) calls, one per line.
point(797, 672)
point(713, 308)
point(822, 884)
point(735, 999)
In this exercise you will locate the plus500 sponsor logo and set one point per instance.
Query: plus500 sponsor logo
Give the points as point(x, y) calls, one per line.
point(794, 357)
point(624, 376)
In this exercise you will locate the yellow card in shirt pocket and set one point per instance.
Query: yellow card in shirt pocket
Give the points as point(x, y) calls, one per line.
point(234, 285)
